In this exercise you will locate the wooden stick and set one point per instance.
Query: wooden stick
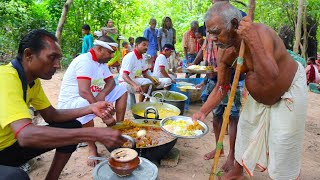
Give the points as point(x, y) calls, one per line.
point(226, 113)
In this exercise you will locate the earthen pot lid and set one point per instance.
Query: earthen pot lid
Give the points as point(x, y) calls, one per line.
point(123, 154)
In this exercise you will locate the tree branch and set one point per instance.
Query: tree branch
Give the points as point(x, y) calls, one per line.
point(63, 19)
point(298, 27)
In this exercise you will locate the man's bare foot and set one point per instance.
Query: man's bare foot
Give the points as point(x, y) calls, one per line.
point(228, 165)
point(210, 155)
point(234, 174)
point(92, 152)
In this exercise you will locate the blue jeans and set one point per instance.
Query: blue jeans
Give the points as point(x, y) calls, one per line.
point(191, 58)
point(219, 110)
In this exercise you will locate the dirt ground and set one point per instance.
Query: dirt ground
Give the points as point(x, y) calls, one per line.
point(191, 164)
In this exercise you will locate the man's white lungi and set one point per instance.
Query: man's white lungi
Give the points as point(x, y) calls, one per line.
point(271, 137)
point(165, 82)
point(138, 81)
point(79, 102)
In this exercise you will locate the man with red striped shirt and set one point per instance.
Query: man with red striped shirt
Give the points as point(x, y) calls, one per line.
point(134, 71)
point(88, 80)
point(161, 68)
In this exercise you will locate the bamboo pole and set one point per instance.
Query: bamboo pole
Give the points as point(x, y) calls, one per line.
point(226, 113)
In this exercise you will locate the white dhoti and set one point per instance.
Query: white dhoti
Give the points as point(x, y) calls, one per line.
point(138, 81)
point(271, 137)
point(79, 102)
point(165, 82)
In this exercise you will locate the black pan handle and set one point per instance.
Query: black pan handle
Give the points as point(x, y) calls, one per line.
point(151, 110)
point(161, 98)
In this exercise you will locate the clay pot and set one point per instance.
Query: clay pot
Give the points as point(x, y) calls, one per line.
point(124, 161)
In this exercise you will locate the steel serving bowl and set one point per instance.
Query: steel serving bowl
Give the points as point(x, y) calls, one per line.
point(171, 97)
point(142, 109)
point(184, 118)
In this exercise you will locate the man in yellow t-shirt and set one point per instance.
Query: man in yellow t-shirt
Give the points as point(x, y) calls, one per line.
point(39, 56)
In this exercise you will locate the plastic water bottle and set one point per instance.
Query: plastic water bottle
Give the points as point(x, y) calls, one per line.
point(184, 65)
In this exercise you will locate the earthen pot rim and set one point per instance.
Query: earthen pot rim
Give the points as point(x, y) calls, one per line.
point(123, 155)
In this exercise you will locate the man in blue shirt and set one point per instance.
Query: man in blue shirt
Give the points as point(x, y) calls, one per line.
point(87, 39)
point(151, 34)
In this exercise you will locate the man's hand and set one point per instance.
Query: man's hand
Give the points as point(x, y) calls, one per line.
point(155, 81)
point(109, 121)
point(199, 116)
point(173, 81)
point(245, 28)
point(109, 137)
point(200, 86)
point(137, 88)
point(103, 109)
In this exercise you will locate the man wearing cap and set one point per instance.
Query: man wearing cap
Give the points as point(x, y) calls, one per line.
point(134, 71)
point(88, 80)
point(161, 68)
point(39, 57)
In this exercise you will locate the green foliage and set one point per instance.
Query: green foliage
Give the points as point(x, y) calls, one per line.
point(17, 18)
point(66, 60)
point(130, 17)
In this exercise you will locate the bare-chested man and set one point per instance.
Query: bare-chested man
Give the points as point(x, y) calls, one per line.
point(271, 125)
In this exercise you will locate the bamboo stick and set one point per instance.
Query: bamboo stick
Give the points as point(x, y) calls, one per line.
point(226, 113)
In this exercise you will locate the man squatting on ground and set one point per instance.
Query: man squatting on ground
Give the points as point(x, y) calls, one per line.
point(161, 68)
point(88, 80)
point(134, 71)
point(39, 56)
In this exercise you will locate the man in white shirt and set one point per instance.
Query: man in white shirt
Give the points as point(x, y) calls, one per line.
point(88, 80)
point(161, 68)
point(133, 66)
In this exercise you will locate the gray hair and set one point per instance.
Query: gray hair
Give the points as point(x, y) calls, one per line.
point(194, 23)
point(226, 11)
point(153, 20)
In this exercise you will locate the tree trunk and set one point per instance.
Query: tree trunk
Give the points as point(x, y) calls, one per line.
point(189, 6)
point(312, 26)
point(63, 19)
point(287, 35)
point(298, 27)
point(305, 34)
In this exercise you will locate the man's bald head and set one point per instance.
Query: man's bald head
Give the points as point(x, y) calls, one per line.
point(224, 10)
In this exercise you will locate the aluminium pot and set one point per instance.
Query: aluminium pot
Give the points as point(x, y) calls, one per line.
point(153, 153)
point(158, 109)
point(171, 97)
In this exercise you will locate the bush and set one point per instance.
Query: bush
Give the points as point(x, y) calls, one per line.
point(66, 60)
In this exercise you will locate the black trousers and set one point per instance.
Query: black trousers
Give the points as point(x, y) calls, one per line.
point(15, 155)
point(12, 173)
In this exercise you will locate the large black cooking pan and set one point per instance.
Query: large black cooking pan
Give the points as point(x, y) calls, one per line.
point(154, 153)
